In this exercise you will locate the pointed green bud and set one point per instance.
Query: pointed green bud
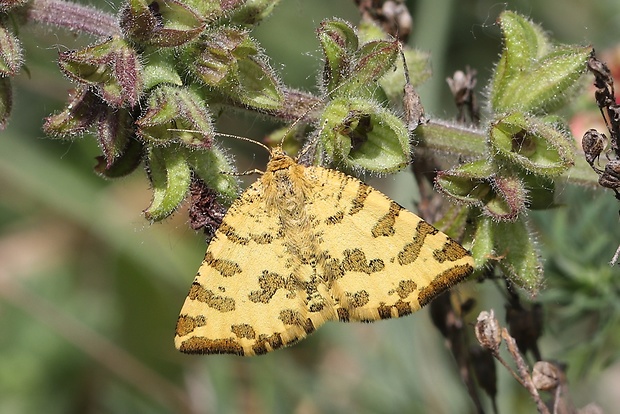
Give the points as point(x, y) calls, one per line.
point(351, 69)
point(219, 54)
point(339, 42)
point(229, 60)
point(176, 115)
point(532, 144)
point(112, 67)
point(11, 58)
point(170, 177)
point(375, 59)
point(502, 198)
point(163, 23)
point(372, 61)
point(360, 134)
point(532, 75)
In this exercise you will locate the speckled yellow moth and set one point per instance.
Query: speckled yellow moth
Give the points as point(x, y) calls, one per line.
point(306, 245)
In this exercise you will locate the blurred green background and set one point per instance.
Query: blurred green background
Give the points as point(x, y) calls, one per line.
point(90, 292)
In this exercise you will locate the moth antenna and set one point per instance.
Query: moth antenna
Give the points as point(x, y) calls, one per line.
point(311, 143)
point(221, 134)
point(260, 144)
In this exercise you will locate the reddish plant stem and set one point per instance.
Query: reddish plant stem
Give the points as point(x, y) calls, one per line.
point(75, 17)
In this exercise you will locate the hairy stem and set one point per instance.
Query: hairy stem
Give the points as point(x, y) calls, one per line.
point(72, 16)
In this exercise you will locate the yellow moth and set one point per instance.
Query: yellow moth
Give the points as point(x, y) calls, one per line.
point(306, 245)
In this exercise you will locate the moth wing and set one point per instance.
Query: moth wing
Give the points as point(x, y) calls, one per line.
point(382, 260)
point(242, 300)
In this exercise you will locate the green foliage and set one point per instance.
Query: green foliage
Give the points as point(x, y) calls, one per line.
point(519, 146)
point(150, 95)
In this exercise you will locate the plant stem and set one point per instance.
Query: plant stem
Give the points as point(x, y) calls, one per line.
point(452, 139)
point(75, 17)
point(524, 372)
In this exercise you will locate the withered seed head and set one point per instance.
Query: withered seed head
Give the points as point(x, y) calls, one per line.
point(488, 331)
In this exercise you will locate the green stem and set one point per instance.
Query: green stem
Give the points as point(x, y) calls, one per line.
point(440, 136)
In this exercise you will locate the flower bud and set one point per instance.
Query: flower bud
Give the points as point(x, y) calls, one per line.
point(111, 67)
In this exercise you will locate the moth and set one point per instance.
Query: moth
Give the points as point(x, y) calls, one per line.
point(306, 245)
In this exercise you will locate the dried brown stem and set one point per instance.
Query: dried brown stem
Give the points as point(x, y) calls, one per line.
point(526, 379)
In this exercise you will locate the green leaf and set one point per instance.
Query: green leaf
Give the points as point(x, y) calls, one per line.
point(256, 85)
point(339, 42)
point(372, 61)
point(482, 247)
